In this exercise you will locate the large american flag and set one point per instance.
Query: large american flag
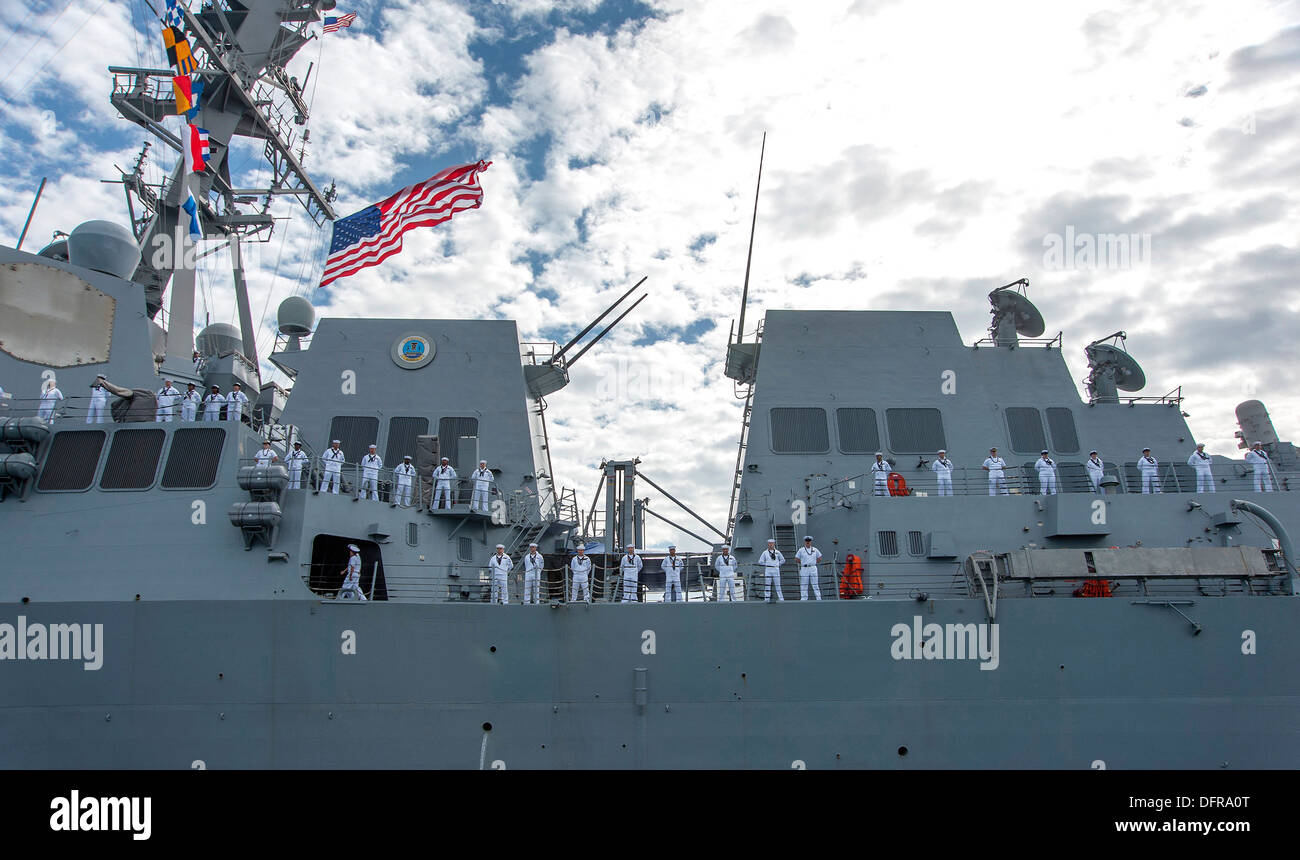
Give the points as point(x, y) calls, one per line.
point(374, 234)
point(333, 24)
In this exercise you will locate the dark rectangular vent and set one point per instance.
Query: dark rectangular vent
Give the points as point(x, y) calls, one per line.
point(193, 458)
point(915, 431)
point(465, 549)
point(72, 461)
point(402, 436)
point(449, 432)
point(859, 433)
point(1026, 430)
point(356, 433)
point(915, 543)
point(412, 534)
point(1060, 421)
point(887, 543)
point(799, 431)
point(132, 460)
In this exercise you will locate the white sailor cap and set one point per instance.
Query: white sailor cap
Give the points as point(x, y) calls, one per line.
point(482, 462)
point(371, 445)
point(943, 450)
point(1091, 453)
point(726, 546)
point(531, 545)
point(1044, 451)
point(297, 444)
point(1200, 444)
point(582, 547)
point(771, 540)
point(1257, 442)
point(445, 460)
point(266, 441)
point(807, 537)
point(1146, 449)
point(501, 546)
point(335, 442)
point(406, 456)
point(354, 547)
point(878, 454)
point(672, 546)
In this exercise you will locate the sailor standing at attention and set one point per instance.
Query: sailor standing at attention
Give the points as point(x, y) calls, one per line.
point(808, 556)
point(580, 569)
point(235, 401)
point(1148, 467)
point(212, 404)
point(725, 565)
point(167, 397)
point(1096, 468)
point(1200, 461)
point(333, 459)
point(49, 396)
point(189, 402)
point(533, 564)
point(98, 403)
point(880, 475)
point(672, 568)
point(297, 459)
point(443, 476)
point(351, 589)
point(1046, 475)
point(266, 456)
point(1258, 459)
point(405, 475)
point(500, 566)
point(996, 467)
point(943, 472)
point(482, 477)
point(629, 568)
point(371, 463)
point(771, 560)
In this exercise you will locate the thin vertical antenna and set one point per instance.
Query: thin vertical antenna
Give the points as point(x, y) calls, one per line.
point(30, 213)
point(744, 293)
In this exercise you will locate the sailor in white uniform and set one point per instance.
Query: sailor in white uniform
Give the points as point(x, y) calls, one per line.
point(297, 460)
point(371, 463)
point(771, 560)
point(482, 477)
point(1200, 461)
point(943, 473)
point(996, 467)
point(629, 568)
point(1096, 468)
point(1046, 474)
point(533, 564)
point(672, 567)
point(500, 565)
point(212, 404)
point(167, 397)
point(725, 565)
point(190, 402)
point(1148, 468)
point(443, 476)
point(98, 413)
point(235, 401)
point(266, 456)
point(351, 589)
point(580, 571)
point(198, 362)
point(405, 477)
point(49, 397)
point(880, 475)
point(1258, 459)
point(333, 460)
point(808, 556)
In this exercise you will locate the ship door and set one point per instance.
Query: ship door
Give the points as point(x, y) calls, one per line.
point(329, 560)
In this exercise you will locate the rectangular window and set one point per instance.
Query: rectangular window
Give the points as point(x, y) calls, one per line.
point(72, 461)
point(402, 436)
point(799, 431)
point(1025, 428)
point(859, 433)
point(887, 543)
point(193, 458)
point(449, 432)
point(1061, 422)
point(356, 433)
point(133, 459)
point(915, 431)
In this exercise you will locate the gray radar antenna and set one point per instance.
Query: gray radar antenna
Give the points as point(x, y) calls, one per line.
point(1013, 314)
point(1111, 369)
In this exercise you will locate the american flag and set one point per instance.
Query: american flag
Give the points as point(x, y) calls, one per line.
point(332, 25)
point(374, 234)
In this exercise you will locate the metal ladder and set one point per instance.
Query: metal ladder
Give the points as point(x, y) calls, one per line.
point(732, 511)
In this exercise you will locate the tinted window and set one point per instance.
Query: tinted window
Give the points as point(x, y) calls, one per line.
point(72, 461)
point(193, 458)
point(1026, 430)
point(858, 431)
point(132, 459)
point(1061, 422)
point(915, 431)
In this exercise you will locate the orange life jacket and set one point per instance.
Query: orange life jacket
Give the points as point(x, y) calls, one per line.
point(851, 581)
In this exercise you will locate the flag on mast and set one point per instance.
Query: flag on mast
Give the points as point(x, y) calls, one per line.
point(197, 150)
point(178, 50)
point(332, 24)
point(191, 209)
point(172, 16)
point(183, 87)
point(374, 234)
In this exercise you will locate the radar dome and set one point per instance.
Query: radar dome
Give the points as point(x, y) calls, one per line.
point(218, 339)
point(56, 250)
point(296, 316)
point(105, 247)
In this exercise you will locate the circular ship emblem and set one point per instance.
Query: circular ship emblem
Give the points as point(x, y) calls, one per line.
point(413, 351)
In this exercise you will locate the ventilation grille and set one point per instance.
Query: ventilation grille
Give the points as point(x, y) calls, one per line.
point(1061, 422)
point(465, 549)
point(449, 432)
point(1026, 430)
point(915, 543)
point(356, 433)
point(193, 458)
point(915, 431)
point(72, 461)
point(858, 431)
point(887, 543)
point(402, 436)
point(799, 431)
point(412, 534)
point(132, 460)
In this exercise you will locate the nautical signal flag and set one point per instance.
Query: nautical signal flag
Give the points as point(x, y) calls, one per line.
point(183, 86)
point(333, 24)
point(172, 17)
point(374, 234)
point(178, 50)
point(197, 150)
point(190, 208)
point(196, 93)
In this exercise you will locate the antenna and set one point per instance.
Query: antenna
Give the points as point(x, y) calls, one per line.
point(1014, 314)
point(749, 256)
point(742, 358)
point(596, 322)
point(597, 338)
point(1111, 369)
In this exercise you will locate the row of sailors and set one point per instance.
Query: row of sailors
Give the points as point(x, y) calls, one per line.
point(168, 399)
point(630, 566)
point(1148, 469)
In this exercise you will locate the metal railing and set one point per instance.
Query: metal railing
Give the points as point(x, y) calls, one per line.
point(77, 409)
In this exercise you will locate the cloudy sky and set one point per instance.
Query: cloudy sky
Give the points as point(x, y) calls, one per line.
point(918, 155)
